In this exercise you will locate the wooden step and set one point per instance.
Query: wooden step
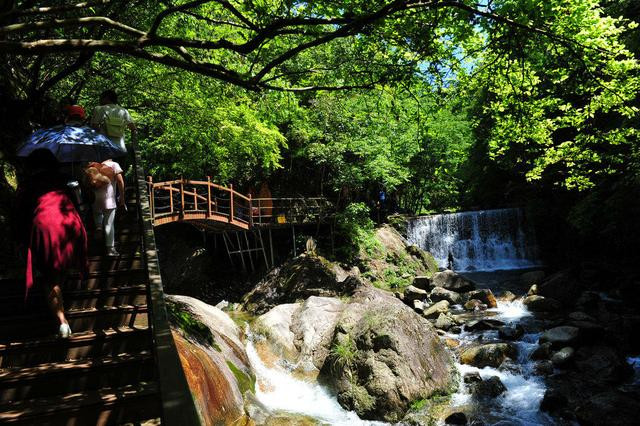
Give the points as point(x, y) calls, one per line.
point(42, 323)
point(19, 383)
point(113, 341)
point(103, 406)
point(75, 299)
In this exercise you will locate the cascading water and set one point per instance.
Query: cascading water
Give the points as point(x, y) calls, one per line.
point(483, 240)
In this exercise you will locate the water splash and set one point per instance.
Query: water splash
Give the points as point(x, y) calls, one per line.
point(278, 390)
point(485, 240)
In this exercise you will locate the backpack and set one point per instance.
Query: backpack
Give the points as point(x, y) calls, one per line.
point(113, 124)
point(99, 175)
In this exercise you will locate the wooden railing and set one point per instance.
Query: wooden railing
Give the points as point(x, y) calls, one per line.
point(185, 199)
point(196, 200)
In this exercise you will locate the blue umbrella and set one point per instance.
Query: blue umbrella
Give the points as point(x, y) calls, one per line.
point(71, 144)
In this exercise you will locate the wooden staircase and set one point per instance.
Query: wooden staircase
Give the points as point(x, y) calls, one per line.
point(111, 370)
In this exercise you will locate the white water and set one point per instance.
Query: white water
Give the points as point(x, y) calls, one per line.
point(485, 240)
point(278, 390)
point(520, 404)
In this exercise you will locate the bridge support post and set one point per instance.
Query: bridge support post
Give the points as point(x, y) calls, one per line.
point(246, 238)
point(151, 197)
point(231, 205)
point(208, 196)
point(293, 233)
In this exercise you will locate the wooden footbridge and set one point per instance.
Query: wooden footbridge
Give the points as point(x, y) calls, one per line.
point(220, 209)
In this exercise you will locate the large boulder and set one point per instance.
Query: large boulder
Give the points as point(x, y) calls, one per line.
point(489, 355)
point(452, 281)
point(301, 332)
point(562, 336)
point(537, 303)
point(441, 293)
point(613, 408)
point(602, 364)
point(489, 388)
point(298, 279)
point(484, 295)
point(532, 278)
point(412, 293)
point(434, 311)
point(561, 286)
point(383, 356)
point(213, 358)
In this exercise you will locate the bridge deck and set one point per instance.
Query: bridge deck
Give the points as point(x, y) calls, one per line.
point(212, 206)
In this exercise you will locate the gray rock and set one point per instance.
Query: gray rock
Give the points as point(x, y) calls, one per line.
point(563, 356)
point(434, 311)
point(541, 304)
point(487, 389)
point(472, 377)
point(613, 408)
point(475, 305)
point(444, 322)
point(544, 368)
point(383, 356)
point(588, 301)
point(422, 281)
point(559, 337)
point(507, 296)
point(489, 355)
point(533, 290)
point(553, 401)
point(560, 286)
point(580, 316)
point(602, 364)
point(543, 351)
point(484, 295)
point(511, 332)
point(412, 293)
point(452, 281)
point(440, 293)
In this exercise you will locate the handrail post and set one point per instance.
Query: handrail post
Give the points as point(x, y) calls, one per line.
point(208, 196)
point(250, 211)
point(231, 202)
point(181, 195)
point(151, 198)
point(171, 198)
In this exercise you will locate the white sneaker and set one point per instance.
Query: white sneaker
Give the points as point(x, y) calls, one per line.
point(65, 331)
point(111, 251)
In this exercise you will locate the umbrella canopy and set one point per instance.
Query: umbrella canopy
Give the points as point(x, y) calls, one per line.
point(71, 144)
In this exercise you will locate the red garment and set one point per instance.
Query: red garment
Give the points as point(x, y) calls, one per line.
point(57, 238)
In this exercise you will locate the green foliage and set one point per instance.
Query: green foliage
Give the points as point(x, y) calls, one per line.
point(181, 318)
point(246, 381)
point(344, 353)
point(356, 229)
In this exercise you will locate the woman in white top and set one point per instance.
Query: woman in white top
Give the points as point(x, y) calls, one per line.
point(105, 204)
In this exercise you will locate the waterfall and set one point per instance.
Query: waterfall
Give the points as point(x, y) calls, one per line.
point(483, 240)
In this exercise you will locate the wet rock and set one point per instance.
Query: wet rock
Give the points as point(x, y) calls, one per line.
point(602, 364)
point(559, 337)
point(440, 293)
point(485, 296)
point(472, 377)
point(613, 408)
point(456, 419)
point(452, 281)
point(434, 311)
point(422, 281)
point(541, 304)
point(563, 356)
point(398, 295)
point(533, 290)
point(507, 296)
point(553, 401)
point(561, 286)
point(487, 389)
point(483, 324)
point(455, 330)
point(444, 322)
point(532, 277)
point(590, 332)
point(383, 355)
point(298, 279)
point(544, 368)
point(511, 332)
point(418, 306)
point(451, 343)
point(489, 355)
point(412, 293)
point(543, 351)
point(475, 305)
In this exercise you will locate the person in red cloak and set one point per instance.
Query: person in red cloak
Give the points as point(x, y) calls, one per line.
point(50, 230)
